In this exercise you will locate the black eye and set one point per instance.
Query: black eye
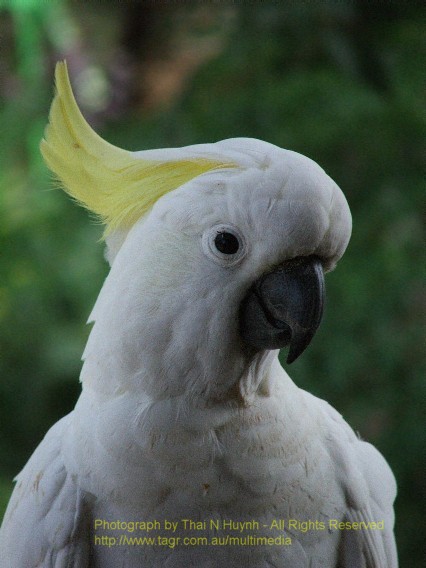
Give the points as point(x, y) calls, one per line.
point(226, 243)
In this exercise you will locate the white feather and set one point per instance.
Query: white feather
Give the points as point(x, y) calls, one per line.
point(176, 420)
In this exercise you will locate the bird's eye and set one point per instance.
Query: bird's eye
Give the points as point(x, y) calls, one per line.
point(226, 243)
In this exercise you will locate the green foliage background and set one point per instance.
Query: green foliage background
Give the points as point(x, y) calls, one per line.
point(337, 81)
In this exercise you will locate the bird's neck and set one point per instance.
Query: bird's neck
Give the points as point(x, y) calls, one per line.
point(228, 380)
point(126, 353)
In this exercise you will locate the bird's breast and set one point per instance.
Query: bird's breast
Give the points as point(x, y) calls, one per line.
point(246, 480)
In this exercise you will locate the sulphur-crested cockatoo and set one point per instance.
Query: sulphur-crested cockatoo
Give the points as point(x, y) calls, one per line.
point(188, 431)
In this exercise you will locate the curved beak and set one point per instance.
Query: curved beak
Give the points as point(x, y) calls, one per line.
point(284, 307)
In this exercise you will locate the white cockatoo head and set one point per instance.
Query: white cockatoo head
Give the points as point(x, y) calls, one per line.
point(217, 255)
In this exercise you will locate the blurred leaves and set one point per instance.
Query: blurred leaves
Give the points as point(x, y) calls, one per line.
point(337, 81)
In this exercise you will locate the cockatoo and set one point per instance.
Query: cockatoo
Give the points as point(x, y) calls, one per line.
point(188, 431)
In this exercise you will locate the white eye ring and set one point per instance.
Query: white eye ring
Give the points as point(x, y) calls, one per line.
point(210, 248)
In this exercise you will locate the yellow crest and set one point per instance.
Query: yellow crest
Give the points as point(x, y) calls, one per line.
point(109, 181)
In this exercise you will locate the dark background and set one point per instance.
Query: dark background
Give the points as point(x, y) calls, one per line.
point(338, 81)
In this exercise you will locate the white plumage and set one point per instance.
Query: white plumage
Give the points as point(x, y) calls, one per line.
point(178, 419)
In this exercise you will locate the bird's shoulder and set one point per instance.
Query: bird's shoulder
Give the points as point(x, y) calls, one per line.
point(44, 524)
point(369, 488)
point(357, 458)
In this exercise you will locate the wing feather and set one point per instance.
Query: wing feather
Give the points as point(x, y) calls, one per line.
point(370, 490)
point(46, 522)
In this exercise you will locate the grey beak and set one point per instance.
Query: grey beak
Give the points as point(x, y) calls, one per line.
point(284, 307)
